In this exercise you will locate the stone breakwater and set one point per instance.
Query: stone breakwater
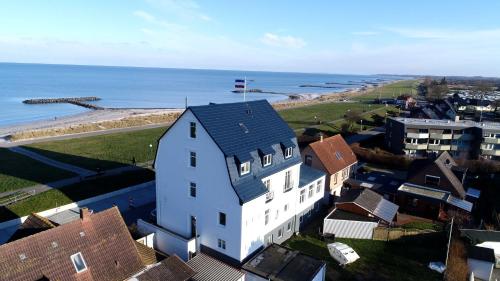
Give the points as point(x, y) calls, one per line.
point(80, 101)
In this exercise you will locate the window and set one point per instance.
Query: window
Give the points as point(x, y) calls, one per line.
point(488, 146)
point(308, 160)
point(280, 233)
point(277, 214)
point(245, 168)
point(488, 135)
point(266, 217)
point(221, 244)
point(318, 186)
point(302, 196)
point(222, 218)
point(192, 130)
point(267, 159)
point(79, 262)
point(192, 159)
point(311, 191)
point(285, 208)
point(288, 152)
point(288, 180)
point(345, 173)
point(335, 178)
point(289, 226)
point(432, 180)
point(267, 184)
point(192, 189)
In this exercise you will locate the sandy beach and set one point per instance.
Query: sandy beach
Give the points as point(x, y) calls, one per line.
point(99, 120)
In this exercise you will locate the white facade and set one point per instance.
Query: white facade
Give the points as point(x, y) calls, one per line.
point(245, 224)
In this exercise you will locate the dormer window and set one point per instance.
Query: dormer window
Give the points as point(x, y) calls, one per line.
point(288, 152)
point(267, 160)
point(245, 168)
point(79, 262)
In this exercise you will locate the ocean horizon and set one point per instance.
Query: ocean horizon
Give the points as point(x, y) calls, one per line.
point(149, 87)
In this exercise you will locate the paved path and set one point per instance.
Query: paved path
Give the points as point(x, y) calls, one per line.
point(64, 166)
point(4, 143)
point(143, 198)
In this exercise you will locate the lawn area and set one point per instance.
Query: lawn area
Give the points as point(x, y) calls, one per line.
point(392, 90)
point(104, 151)
point(18, 171)
point(76, 192)
point(403, 259)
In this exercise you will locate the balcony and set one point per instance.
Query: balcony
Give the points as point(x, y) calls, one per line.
point(492, 140)
point(464, 137)
point(440, 136)
point(460, 147)
point(415, 146)
point(439, 147)
point(417, 135)
point(492, 152)
point(269, 196)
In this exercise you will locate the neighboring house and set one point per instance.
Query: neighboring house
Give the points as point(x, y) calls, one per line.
point(334, 157)
point(357, 213)
point(96, 247)
point(483, 255)
point(433, 187)
point(230, 180)
point(278, 263)
point(429, 137)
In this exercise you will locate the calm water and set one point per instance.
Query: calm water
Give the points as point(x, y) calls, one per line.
point(142, 87)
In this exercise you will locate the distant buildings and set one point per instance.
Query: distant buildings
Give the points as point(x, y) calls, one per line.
point(334, 157)
point(230, 181)
point(429, 137)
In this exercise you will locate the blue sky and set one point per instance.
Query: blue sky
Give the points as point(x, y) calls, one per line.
point(365, 37)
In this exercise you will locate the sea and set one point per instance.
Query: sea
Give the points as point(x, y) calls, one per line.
point(141, 87)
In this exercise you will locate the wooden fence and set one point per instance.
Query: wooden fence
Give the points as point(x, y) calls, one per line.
point(386, 234)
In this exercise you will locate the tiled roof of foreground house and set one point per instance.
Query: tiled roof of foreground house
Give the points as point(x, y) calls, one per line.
point(102, 239)
point(334, 153)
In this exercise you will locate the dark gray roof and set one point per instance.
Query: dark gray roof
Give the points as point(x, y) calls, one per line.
point(278, 263)
point(481, 253)
point(477, 236)
point(308, 175)
point(372, 202)
point(246, 131)
point(243, 127)
point(338, 214)
point(210, 269)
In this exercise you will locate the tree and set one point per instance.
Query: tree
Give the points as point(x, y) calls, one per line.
point(352, 117)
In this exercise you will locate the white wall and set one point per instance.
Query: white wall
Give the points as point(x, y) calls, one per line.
point(215, 194)
point(299, 207)
point(481, 269)
point(349, 228)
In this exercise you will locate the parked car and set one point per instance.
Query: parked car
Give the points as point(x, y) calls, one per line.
point(342, 253)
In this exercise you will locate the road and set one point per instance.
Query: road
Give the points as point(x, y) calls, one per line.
point(143, 200)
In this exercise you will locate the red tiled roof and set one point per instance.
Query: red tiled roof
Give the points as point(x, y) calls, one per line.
point(102, 239)
point(334, 153)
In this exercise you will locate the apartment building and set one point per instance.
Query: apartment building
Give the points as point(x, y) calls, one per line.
point(429, 137)
point(230, 180)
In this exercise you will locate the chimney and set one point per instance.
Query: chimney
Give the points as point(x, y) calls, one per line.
point(457, 118)
point(84, 214)
point(321, 137)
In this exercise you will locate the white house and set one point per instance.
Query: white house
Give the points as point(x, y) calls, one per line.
point(230, 180)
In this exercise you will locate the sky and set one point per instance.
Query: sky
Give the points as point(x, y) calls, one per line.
point(356, 37)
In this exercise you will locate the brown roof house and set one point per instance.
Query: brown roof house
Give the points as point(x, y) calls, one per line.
point(95, 247)
point(333, 156)
point(433, 187)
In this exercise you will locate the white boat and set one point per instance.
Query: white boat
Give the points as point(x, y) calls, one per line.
point(342, 253)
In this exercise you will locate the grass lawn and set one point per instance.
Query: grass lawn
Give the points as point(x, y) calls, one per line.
point(104, 151)
point(76, 192)
point(18, 171)
point(393, 90)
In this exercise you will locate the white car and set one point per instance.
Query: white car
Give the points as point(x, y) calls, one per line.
point(342, 253)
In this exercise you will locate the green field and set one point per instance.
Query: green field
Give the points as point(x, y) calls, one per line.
point(18, 171)
point(405, 259)
point(76, 192)
point(105, 151)
point(393, 90)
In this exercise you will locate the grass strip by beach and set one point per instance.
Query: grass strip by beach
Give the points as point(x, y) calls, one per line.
point(104, 151)
point(392, 90)
point(18, 171)
point(75, 192)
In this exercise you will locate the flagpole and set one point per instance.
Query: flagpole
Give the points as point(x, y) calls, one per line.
point(245, 89)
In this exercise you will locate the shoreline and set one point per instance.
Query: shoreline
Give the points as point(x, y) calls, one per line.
point(113, 118)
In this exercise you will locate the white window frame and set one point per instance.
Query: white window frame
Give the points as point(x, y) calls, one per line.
point(266, 217)
point(280, 232)
point(302, 196)
point(286, 207)
point(289, 226)
point(221, 244)
point(267, 160)
point(192, 134)
point(318, 186)
point(310, 191)
point(244, 168)
point(288, 152)
point(193, 186)
point(267, 184)
point(193, 154)
point(79, 254)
